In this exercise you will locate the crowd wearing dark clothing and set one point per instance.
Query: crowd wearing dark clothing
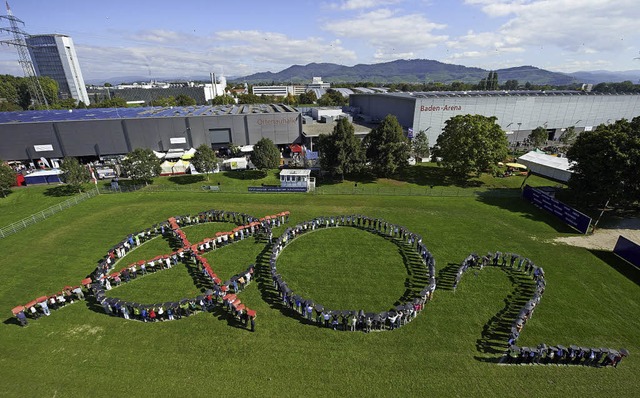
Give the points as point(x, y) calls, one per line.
point(543, 353)
point(352, 320)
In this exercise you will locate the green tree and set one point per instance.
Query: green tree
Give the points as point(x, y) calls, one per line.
point(470, 144)
point(184, 100)
point(420, 145)
point(333, 98)
point(205, 159)
point(249, 99)
point(265, 155)
point(9, 90)
point(569, 136)
point(340, 151)
point(494, 81)
point(606, 163)
point(387, 149)
point(291, 99)
point(9, 107)
point(307, 98)
point(511, 85)
point(222, 100)
point(164, 101)
point(7, 178)
point(74, 174)
point(538, 136)
point(141, 165)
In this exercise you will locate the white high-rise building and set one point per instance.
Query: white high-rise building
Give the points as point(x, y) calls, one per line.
point(55, 56)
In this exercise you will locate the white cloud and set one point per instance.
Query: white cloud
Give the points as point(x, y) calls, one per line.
point(175, 54)
point(389, 32)
point(600, 25)
point(162, 36)
point(572, 65)
point(362, 4)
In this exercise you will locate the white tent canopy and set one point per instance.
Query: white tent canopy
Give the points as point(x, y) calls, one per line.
point(553, 167)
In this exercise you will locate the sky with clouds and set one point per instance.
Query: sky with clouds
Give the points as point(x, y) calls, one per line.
point(158, 38)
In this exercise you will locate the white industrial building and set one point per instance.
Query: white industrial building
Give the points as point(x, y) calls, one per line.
point(517, 112)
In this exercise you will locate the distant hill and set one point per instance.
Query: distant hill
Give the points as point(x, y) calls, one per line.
point(604, 76)
point(405, 71)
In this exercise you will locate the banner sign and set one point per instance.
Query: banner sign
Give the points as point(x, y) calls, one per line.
point(569, 215)
point(628, 250)
point(178, 140)
point(277, 189)
point(43, 148)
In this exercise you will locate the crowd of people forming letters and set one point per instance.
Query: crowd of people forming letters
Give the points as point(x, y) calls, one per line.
point(351, 319)
point(104, 278)
point(543, 353)
point(224, 293)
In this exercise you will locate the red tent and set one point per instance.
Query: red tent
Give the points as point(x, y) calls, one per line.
point(230, 297)
point(86, 281)
point(224, 288)
point(295, 148)
point(239, 307)
point(251, 313)
point(42, 299)
point(30, 304)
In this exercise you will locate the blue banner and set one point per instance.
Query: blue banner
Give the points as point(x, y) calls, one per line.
point(628, 250)
point(569, 215)
point(277, 189)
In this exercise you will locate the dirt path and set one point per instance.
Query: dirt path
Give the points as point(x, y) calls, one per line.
point(606, 238)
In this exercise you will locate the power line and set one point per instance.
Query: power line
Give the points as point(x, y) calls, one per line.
point(19, 42)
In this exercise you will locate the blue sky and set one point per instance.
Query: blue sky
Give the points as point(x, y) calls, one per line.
point(192, 37)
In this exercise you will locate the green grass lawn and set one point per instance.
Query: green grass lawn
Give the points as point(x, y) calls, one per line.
point(25, 201)
point(316, 265)
point(592, 299)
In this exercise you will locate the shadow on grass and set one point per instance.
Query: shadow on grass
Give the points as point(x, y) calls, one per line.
point(250, 174)
point(447, 276)
point(510, 200)
point(435, 176)
point(61, 190)
point(495, 333)
point(187, 179)
point(623, 267)
point(12, 321)
point(361, 178)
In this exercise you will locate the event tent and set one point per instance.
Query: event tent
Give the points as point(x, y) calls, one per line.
point(553, 167)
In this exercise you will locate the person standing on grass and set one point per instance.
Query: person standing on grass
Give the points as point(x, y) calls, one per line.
point(309, 310)
point(253, 323)
point(22, 318)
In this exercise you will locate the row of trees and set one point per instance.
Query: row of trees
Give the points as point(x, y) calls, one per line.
point(469, 144)
point(15, 95)
point(329, 98)
point(384, 150)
